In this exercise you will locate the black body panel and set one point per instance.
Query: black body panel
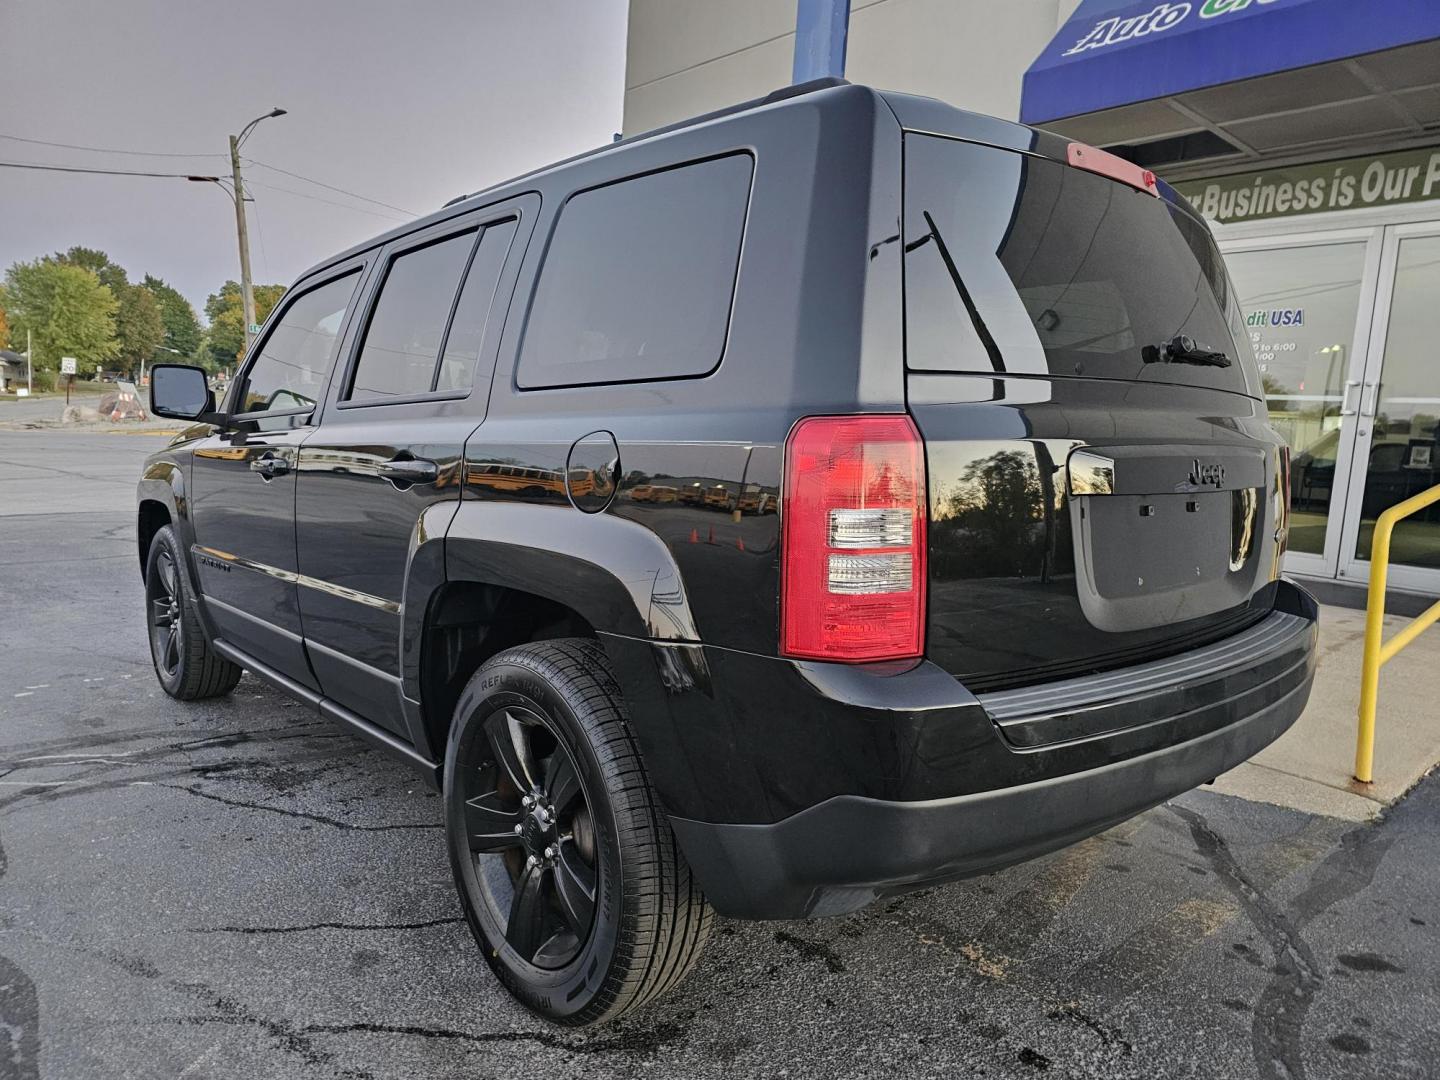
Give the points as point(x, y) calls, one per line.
point(1010, 603)
point(837, 857)
point(902, 733)
point(647, 514)
point(245, 557)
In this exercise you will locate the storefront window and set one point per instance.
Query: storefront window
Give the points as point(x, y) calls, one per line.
point(1299, 306)
point(1404, 458)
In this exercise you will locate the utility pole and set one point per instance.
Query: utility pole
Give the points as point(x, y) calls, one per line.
point(247, 289)
point(237, 194)
point(29, 365)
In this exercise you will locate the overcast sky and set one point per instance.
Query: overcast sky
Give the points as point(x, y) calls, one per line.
point(409, 103)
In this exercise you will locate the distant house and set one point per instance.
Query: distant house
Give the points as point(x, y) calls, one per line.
point(13, 367)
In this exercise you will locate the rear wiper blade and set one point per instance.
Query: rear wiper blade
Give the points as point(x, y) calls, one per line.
point(1182, 349)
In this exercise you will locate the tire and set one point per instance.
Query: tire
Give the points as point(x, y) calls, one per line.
point(549, 716)
point(188, 669)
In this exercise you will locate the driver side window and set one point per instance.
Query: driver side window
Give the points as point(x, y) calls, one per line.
point(291, 369)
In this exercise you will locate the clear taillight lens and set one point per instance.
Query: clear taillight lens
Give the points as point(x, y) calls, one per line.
point(853, 562)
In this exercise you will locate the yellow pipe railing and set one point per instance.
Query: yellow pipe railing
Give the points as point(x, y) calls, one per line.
point(1378, 653)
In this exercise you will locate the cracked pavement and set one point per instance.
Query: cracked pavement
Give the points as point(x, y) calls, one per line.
point(239, 889)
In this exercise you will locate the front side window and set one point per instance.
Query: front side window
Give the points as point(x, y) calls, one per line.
point(639, 278)
point(291, 369)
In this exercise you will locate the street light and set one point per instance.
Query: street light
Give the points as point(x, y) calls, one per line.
point(236, 191)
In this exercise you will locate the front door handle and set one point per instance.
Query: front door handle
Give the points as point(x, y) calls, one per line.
point(270, 465)
point(410, 470)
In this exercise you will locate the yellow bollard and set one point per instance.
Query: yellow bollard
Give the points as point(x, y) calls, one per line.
point(1376, 651)
point(1370, 664)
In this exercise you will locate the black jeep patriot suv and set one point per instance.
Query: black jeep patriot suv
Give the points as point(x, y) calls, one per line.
point(823, 498)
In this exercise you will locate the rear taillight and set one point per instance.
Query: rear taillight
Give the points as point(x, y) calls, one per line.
point(853, 540)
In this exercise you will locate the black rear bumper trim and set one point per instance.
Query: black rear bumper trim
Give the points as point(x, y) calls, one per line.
point(837, 857)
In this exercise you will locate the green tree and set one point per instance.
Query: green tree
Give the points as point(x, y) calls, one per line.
point(138, 325)
point(66, 308)
point(4, 323)
point(182, 328)
point(226, 312)
point(110, 273)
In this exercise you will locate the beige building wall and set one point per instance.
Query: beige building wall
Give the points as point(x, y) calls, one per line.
point(686, 57)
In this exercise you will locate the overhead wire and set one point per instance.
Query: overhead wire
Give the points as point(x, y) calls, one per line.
point(329, 202)
point(100, 172)
point(158, 154)
point(105, 150)
point(330, 187)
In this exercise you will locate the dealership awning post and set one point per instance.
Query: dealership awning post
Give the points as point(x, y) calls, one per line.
point(821, 27)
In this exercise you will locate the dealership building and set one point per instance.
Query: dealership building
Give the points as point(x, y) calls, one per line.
point(1306, 131)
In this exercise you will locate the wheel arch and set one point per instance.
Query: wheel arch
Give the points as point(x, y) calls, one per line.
point(505, 574)
point(160, 501)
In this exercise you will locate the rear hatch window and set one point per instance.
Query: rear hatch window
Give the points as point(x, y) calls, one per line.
point(1025, 266)
point(1096, 501)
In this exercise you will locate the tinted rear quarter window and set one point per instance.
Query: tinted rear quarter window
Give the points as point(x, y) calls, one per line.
point(1023, 265)
point(472, 310)
point(639, 278)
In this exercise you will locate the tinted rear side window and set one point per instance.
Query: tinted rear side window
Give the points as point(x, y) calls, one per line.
point(639, 278)
point(1022, 265)
point(407, 326)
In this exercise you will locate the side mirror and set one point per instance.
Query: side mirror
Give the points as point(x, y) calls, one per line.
point(181, 392)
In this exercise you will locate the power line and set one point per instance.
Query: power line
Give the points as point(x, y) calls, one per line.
point(151, 153)
point(187, 176)
point(100, 172)
point(328, 202)
point(103, 150)
point(264, 255)
point(331, 187)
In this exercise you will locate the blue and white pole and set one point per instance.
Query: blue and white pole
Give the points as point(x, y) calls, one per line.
point(821, 27)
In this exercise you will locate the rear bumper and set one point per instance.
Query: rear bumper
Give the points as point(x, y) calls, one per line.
point(845, 851)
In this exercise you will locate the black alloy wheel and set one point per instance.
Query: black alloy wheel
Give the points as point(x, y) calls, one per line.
point(186, 665)
point(568, 873)
point(167, 628)
point(532, 835)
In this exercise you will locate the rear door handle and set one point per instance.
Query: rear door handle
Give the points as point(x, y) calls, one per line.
point(270, 465)
point(410, 471)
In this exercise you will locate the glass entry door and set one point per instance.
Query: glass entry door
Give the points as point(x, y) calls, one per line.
point(1307, 301)
point(1397, 451)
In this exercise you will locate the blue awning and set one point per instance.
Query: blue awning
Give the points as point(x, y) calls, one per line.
point(1117, 52)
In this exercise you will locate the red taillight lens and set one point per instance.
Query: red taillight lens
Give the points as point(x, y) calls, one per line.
point(853, 545)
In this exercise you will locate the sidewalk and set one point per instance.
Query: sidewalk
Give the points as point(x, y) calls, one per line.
point(1309, 767)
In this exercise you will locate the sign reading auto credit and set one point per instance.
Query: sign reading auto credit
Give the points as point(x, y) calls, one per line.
point(1379, 180)
point(1162, 17)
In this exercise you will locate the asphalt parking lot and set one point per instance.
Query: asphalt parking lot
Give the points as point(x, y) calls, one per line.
point(239, 889)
